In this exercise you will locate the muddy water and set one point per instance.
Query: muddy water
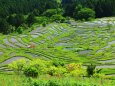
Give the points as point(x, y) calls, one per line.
point(16, 42)
point(8, 43)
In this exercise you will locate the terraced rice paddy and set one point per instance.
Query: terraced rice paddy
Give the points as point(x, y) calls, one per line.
point(86, 42)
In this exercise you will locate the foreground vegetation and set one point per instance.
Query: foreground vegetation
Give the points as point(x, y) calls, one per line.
point(14, 80)
point(60, 46)
point(51, 73)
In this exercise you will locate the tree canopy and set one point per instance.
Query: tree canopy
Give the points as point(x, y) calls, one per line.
point(14, 13)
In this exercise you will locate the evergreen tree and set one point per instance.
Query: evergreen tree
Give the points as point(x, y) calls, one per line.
point(16, 20)
point(30, 19)
point(19, 20)
point(4, 26)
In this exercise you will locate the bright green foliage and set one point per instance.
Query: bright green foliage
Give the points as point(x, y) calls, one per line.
point(69, 81)
point(57, 62)
point(20, 30)
point(58, 18)
point(51, 12)
point(42, 19)
point(75, 69)
point(47, 67)
point(56, 71)
point(17, 66)
point(53, 83)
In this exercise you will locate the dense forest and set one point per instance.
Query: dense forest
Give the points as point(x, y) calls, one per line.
point(12, 12)
point(25, 6)
point(102, 7)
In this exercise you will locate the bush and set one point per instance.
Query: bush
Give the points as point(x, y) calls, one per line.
point(31, 72)
point(20, 30)
point(85, 13)
point(51, 12)
point(52, 70)
point(56, 71)
point(44, 24)
point(42, 20)
point(17, 66)
point(75, 70)
point(58, 18)
point(90, 70)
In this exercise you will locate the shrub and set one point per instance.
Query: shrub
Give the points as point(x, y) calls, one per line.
point(20, 30)
point(40, 65)
point(84, 13)
point(52, 70)
point(58, 18)
point(51, 12)
point(56, 71)
point(75, 69)
point(90, 70)
point(44, 24)
point(31, 72)
point(42, 20)
point(78, 8)
point(73, 66)
point(17, 66)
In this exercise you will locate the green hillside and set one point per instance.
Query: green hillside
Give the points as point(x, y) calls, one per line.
point(57, 43)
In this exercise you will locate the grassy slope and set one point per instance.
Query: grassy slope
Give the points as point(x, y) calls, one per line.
point(14, 80)
point(80, 42)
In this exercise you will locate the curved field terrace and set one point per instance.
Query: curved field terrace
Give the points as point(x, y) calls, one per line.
point(86, 42)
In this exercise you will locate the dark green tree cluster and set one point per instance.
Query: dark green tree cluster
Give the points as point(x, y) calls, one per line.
point(103, 8)
point(25, 6)
point(4, 26)
point(83, 13)
point(16, 20)
point(14, 14)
